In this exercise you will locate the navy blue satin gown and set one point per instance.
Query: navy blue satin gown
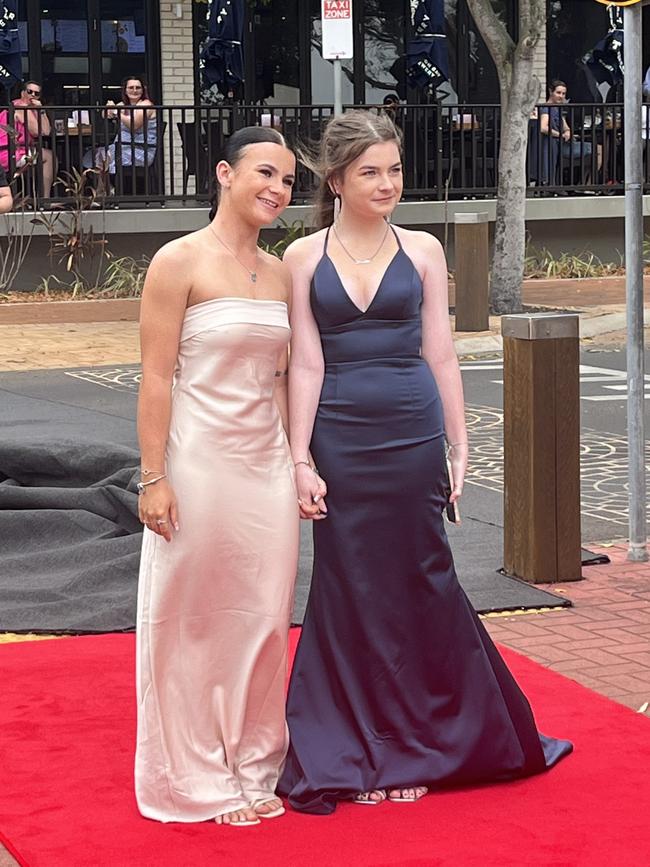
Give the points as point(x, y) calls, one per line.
point(395, 681)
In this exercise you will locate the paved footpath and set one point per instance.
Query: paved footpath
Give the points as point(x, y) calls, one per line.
point(603, 642)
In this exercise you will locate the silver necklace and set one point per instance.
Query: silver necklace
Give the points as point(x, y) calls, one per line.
point(251, 274)
point(354, 259)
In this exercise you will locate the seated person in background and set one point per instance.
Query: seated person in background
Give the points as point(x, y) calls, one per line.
point(137, 137)
point(6, 199)
point(32, 124)
point(556, 133)
point(391, 107)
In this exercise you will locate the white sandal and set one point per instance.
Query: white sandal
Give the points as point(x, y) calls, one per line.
point(270, 814)
point(402, 800)
point(363, 798)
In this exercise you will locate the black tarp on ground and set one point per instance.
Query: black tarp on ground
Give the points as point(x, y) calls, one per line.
point(69, 535)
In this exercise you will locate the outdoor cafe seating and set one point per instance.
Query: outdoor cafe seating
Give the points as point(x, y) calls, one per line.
point(450, 151)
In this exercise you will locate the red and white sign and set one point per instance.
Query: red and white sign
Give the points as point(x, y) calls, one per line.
point(336, 16)
point(337, 9)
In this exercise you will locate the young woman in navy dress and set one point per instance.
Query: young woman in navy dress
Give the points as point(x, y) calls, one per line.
point(396, 687)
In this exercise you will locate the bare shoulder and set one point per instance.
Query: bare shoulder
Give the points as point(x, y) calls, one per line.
point(303, 254)
point(172, 266)
point(417, 241)
point(178, 252)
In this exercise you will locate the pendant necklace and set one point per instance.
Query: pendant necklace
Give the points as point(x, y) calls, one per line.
point(354, 259)
point(251, 274)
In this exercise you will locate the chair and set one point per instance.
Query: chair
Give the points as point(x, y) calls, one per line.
point(195, 156)
point(142, 180)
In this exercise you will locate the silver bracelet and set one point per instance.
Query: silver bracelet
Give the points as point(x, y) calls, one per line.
point(142, 486)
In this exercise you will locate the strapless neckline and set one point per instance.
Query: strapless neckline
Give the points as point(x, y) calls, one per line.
point(236, 298)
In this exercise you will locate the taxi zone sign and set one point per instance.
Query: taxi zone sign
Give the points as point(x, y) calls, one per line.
point(336, 16)
point(337, 9)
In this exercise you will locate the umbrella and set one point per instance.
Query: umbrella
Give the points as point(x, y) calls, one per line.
point(604, 63)
point(222, 60)
point(10, 59)
point(426, 51)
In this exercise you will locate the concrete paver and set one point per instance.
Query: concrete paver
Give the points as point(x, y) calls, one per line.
point(38, 347)
point(603, 642)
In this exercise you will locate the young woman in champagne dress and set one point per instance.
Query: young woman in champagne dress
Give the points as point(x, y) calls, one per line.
point(219, 502)
point(396, 687)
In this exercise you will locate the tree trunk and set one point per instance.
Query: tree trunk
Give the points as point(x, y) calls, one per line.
point(510, 228)
point(519, 91)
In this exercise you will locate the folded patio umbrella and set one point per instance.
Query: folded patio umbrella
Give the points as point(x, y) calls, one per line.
point(10, 60)
point(426, 51)
point(222, 59)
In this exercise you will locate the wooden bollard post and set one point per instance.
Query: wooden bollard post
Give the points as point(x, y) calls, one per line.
point(541, 439)
point(471, 256)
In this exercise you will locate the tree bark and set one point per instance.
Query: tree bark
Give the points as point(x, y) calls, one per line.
point(519, 91)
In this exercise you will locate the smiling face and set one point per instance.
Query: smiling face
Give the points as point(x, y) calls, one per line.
point(558, 94)
point(372, 184)
point(259, 184)
point(134, 90)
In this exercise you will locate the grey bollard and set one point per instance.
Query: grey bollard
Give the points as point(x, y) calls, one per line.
point(541, 443)
point(471, 252)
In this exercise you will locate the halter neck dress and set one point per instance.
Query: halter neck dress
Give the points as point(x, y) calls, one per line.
point(395, 682)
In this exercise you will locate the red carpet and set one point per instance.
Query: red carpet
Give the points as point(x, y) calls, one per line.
point(67, 729)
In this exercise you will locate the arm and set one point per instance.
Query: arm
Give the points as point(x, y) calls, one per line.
point(37, 116)
point(6, 199)
point(306, 372)
point(544, 125)
point(439, 353)
point(135, 118)
point(164, 300)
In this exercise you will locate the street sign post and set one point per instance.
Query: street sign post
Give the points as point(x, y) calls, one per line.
point(336, 17)
point(633, 75)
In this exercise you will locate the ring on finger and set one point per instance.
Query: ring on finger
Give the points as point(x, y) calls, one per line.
point(160, 521)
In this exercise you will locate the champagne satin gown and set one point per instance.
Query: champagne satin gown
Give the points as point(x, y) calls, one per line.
point(214, 604)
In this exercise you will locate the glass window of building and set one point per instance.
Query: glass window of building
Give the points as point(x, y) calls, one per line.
point(123, 42)
point(64, 51)
point(384, 33)
point(276, 53)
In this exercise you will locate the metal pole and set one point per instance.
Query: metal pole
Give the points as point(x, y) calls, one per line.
point(637, 549)
point(338, 102)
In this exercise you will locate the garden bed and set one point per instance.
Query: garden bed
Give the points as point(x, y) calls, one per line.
point(50, 309)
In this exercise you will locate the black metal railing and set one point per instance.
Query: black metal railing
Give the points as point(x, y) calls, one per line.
point(166, 154)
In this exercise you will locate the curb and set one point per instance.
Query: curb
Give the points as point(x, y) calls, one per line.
point(590, 326)
point(52, 312)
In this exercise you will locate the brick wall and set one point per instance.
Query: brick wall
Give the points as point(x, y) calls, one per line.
point(177, 60)
point(539, 66)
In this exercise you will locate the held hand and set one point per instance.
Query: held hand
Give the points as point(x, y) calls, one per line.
point(312, 491)
point(458, 455)
point(566, 135)
point(157, 509)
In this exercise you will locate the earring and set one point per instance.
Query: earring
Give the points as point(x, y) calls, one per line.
point(337, 207)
